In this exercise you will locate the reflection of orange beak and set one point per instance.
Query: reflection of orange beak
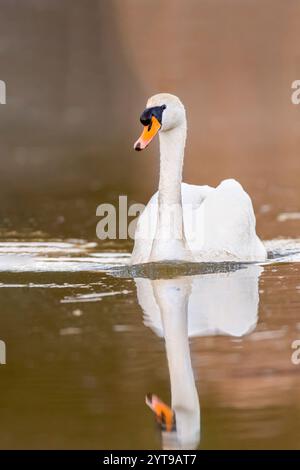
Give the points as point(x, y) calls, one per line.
point(165, 416)
point(147, 135)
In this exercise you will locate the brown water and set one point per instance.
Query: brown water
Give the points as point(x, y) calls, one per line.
point(84, 348)
point(80, 362)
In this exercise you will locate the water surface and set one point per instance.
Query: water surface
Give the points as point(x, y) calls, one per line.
point(85, 343)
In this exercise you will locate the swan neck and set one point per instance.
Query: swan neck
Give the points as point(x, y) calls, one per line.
point(172, 145)
point(169, 240)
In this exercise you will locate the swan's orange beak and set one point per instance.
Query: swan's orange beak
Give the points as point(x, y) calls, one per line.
point(164, 415)
point(149, 132)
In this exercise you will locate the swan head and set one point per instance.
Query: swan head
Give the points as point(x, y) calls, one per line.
point(163, 112)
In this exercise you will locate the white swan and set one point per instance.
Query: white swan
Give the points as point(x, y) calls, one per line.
point(188, 222)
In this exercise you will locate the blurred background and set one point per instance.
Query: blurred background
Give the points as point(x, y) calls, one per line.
point(78, 75)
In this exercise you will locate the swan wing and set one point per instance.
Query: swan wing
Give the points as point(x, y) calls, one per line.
point(223, 226)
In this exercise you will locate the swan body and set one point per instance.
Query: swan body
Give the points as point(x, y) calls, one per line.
point(189, 222)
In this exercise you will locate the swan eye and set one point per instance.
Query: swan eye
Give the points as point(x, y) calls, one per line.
point(155, 111)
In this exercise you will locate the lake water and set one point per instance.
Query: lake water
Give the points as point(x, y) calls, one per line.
point(87, 338)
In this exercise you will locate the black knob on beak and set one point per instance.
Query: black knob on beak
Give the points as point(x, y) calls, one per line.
point(146, 117)
point(155, 111)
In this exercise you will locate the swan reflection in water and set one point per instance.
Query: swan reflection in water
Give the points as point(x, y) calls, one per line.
point(220, 303)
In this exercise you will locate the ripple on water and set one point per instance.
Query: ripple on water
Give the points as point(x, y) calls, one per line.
point(82, 256)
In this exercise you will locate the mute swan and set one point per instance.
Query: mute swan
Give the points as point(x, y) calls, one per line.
point(183, 221)
point(223, 303)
